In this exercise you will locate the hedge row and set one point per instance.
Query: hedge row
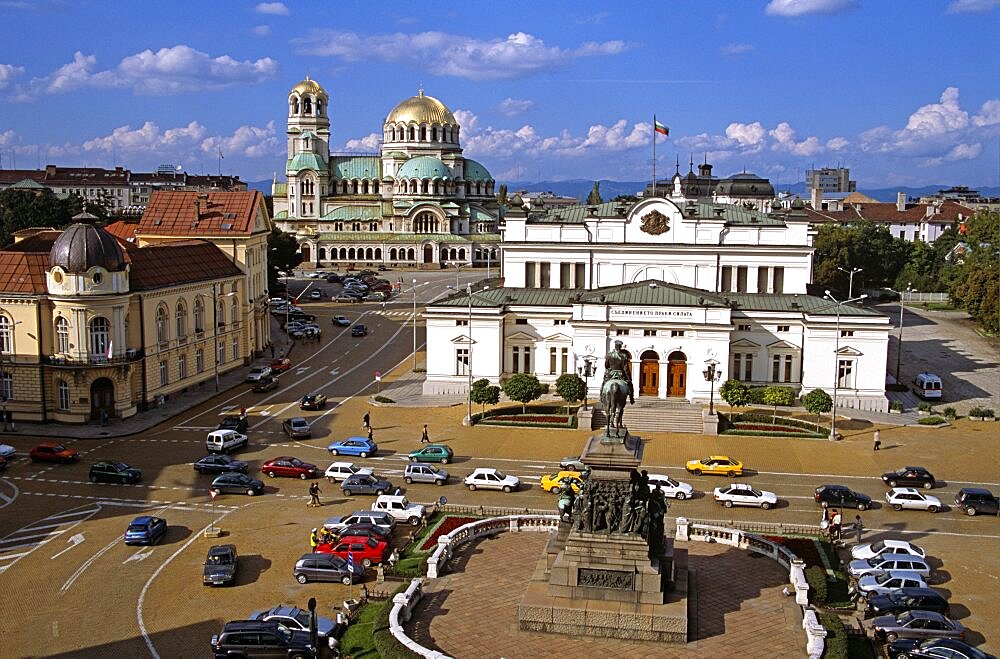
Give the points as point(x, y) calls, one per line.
point(527, 424)
point(771, 419)
point(385, 643)
point(761, 433)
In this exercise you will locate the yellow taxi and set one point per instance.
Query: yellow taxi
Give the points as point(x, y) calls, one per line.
point(720, 465)
point(554, 482)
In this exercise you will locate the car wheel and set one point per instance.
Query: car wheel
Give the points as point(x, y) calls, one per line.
point(970, 511)
point(331, 479)
point(891, 637)
point(250, 492)
point(408, 480)
point(302, 476)
point(364, 454)
point(933, 509)
point(727, 504)
point(862, 506)
point(507, 488)
point(892, 483)
point(349, 493)
point(765, 506)
point(472, 486)
point(444, 461)
point(34, 459)
point(696, 472)
point(346, 580)
point(367, 562)
point(897, 507)
point(333, 451)
point(556, 490)
point(217, 491)
point(439, 482)
point(413, 458)
point(928, 486)
point(270, 474)
point(731, 474)
point(681, 496)
point(93, 479)
point(414, 521)
point(379, 492)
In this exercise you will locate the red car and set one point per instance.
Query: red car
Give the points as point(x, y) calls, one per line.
point(365, 550)
point(289, 467)
point(53, 452)
point(280, 365)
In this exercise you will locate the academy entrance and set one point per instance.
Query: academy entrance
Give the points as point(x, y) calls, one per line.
point(677, 374)
point(102, 397)
point(649, 373)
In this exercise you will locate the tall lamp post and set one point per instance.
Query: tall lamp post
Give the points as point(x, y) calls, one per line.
point(712, 374)
point(414, 288)
point(899, 341)
point(850, 282)
point(586, 370)
point(469, 293)
point(836, 360)
point(9, 347)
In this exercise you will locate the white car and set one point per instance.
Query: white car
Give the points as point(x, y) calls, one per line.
point(257, 373)
point(741, 494)
point(339, 471)
point(887, 582)
point(886, 547)
point(911, 498)
point(489, 478)
point(671, 488)
point(6, 450)
point(888, 563)
point(400, 507)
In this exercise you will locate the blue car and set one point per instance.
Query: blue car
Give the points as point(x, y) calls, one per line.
point(145, 530)
point(360, 446)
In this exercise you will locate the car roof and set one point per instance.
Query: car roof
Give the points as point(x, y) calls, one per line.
point(918, 613)
point(143, 519)
point(976, 490)
point(900, 557)
point(221, 549)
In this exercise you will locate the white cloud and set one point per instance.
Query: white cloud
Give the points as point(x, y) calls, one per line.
point(513, 107)
point(784, 138)
point(261, 30)
point(249, 141)
point(836, 143)
point(972, 6)
point(368, 143)
point(7, 138)
point(989, 114)
point(930, 131)
point(272, 8)
point(145, 138)
point(518, 55)
point(734, 49)
point(749, 136)
point(8, 72)
point(506, 142)
point(964, 152)
point(167, 71)
point(807, 7)
point(468, 120)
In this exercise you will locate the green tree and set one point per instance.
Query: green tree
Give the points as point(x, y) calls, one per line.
point(502, 194)
point(975, 283)
point(523, 388)
point(571, 388)
point(735, 393)
point(817, 402)
point(484, 393)
point(594, 198)
point(861, 244)
point(283, 254)
point(21, 209)
point(775, 396)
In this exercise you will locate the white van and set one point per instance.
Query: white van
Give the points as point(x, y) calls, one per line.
point(927, 385)
point(224, 441)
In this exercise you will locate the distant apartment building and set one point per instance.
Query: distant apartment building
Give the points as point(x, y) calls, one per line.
point(829, 179)
point(904, 219)
point(964, 195)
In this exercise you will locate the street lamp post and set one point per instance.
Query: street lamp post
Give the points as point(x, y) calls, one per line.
point(850, 283)
point(712, 374)
point(587, 370)
point(414, 286)
point(899, 341)
point(836, 360)
point(469, 293)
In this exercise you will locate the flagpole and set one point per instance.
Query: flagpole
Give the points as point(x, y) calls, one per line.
point(654, 155)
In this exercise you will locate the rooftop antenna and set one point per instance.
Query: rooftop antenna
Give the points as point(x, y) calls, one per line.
point(691, 163)
point(677, 164)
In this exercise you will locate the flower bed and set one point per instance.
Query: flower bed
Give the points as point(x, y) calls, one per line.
point(531, 418)
point(804, 548)
point(447, 525)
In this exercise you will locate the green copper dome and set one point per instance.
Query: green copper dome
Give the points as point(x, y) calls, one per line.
point(474, 171)
point(423, 167)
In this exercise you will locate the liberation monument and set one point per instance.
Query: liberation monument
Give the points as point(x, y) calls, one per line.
point(610, 571)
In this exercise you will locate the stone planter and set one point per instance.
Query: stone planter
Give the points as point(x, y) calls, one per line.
point(923, 412)
point(895, 411)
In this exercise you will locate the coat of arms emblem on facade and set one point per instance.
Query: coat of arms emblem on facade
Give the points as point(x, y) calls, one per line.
point(654, 223)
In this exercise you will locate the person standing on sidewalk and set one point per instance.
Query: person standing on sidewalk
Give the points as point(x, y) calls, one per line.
point(877, 437)
point(835, 525)
point(313, 540)
point(859, 528)
point(424, 437)
point(314, 493)
point(366, 421)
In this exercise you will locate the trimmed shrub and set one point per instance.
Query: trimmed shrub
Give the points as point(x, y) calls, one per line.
point(757, 395)
point(836, 636)
point(925, 407)
point(896, 405)
point(385, 643)
point(383, 399)
point(816, 577)
point(950, 413)
point(931, 421)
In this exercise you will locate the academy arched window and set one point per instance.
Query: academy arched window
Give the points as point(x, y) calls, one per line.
point(62, 334)
point(100, 336)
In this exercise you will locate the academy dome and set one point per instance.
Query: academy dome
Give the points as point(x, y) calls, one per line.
point(83, 246)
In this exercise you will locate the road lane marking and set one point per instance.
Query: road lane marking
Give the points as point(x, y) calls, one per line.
point(90, 561)
point(72, 518)
point(73, 541)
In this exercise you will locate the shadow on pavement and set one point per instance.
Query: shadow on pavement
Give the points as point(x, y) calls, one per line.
point(251, 566)
point(167, 643)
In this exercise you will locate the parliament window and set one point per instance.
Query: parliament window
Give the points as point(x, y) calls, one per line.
point(462, 361)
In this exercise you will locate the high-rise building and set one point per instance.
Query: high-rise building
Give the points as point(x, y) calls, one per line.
point(829, 179)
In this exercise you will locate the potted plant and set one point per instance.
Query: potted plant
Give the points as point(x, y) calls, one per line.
point(977, 413)
point(950, 413)
point(924, 409)
point(896, 407)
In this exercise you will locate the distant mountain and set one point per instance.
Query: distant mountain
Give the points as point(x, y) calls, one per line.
point(261, 186)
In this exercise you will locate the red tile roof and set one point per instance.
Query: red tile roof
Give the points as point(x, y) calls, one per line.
point(172, 213)
point(122, 230)
point(949, 212)
point(23, 272)
point(178, 262)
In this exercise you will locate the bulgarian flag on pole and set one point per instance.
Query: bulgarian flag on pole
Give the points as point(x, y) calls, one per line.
point(660, 128)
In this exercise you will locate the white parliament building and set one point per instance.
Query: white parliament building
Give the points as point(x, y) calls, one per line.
point(681, 282)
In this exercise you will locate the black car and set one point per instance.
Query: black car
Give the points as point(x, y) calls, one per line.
point(265, 384)
point(975, 500)
point(363, 530)
point(906, 599)
point(312, 402)
point(940, 648)
point(111, 471)
point(841, 496)
point(237, 423)
point(219, 463)
point(300, 315)
point(359, 330)
point(260, 638)
point(909, 477)
point(220, 565)
point(235, 483)
point(333, 279)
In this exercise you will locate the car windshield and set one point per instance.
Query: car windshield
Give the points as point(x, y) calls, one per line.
point(901, 471)
point(302, 617)
point(500, 475)
point(58, 447)
point(905, 618)
point(295, 462)
point(882, 578)
point(119, 466)
point(874, 560)
point(219, 559)
point(136, 528)
point(755, 493)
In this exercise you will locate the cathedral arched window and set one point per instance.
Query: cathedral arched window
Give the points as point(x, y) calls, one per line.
point(413, 134)
point(294, 105)
point(180, 318)
point(343, 252)
point(368, 253)
point(373, 226)
point(392, 254)
point(375, 185)
point(351, 253)
point(425, 186)
point(423, 133)
point(319, 107)
point(199, 316)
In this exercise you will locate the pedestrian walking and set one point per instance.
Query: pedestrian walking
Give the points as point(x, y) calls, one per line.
point(424, 437)
point(313, 539)
point(835, 524)
point(366, 421)
point(272, 351)
point(824, 522)
point(859, 528)
point(877, 437)
point(314, 493)
point(370, 435)
point(243, 411)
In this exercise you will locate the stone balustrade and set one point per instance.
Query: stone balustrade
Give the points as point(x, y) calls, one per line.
point(463, 534)
point(402, 607)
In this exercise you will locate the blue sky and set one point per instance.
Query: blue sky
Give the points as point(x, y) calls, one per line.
point(903, 92)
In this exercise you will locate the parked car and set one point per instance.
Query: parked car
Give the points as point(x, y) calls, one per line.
point(258, 372)
point(916, 476)
point(359, 446)
point(554, 482)
point(315, 294)
point(53, 452)
point(254, 638)
point(346, 297)
point(975, 500)
point(219, 463)
point(909, 498)
point(324, 566)
point(359, 330)
point(572, 463)
point(742, 494)
point(885, 583)
point(721, 465)
point(421, 472)
point(671, 488)
point(297, 428)
point(297, 620)
point(237, 423)
point(223, 441)
point(400, 507)
point(339, 471)
point(280, 365)
point(312, 402)
point(7, 451)
point(906, 599)
point(376, 296)
point(432, 453)
point(112, 471)
point(289, 467)
point(220, 565)
point(928, 386)
point(887, 546)
point(841, 496)
point(264, 385)
point(917, 624)
point(145, 530)
point(301, 315)
point(938, 648)
point(366, 551)
point(365, 484)
point(333, 279)
point(237, 483)
point(364, 530)
point(489, 478)
point(888, 563)
point(342, 321)
point(381, 520)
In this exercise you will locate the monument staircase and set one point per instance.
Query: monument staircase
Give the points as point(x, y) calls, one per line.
point(653, 414)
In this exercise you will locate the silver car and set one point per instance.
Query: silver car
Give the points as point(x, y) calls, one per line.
point(917, 624)
point(885, 583)
point(422, 472)
point(384, 522)
point(888, 563)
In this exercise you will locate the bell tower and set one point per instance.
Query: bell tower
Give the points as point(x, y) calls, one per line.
point(308, 137)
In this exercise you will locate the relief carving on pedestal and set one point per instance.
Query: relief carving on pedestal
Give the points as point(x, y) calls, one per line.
point(615, 579)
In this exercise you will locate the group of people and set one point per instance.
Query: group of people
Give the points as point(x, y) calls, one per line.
point(833, 523)
point(320, 536)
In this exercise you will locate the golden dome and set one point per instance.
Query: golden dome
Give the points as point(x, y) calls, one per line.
point(308, 86)
point(421, 109)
